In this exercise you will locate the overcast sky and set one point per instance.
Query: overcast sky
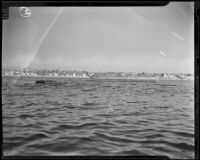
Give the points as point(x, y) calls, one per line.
point(131, 39)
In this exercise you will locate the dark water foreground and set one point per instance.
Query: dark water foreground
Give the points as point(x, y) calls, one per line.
point(82, 117)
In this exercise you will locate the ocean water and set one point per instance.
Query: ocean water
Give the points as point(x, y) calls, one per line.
point(97, 117)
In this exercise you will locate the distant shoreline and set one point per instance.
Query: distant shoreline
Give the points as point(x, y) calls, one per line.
point(42, 76)
point(77, 77)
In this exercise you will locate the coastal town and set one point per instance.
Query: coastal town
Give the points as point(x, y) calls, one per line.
point(98, 75)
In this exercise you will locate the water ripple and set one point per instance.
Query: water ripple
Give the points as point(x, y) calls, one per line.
point(91, 117)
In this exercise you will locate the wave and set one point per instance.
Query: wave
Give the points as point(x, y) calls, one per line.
point(80, 117)
point(88, 90)
point(89, 104)
point(113, 138)
point(80, 126)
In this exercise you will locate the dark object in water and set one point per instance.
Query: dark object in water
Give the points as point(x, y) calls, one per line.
point(43, 81)
point(40, 81)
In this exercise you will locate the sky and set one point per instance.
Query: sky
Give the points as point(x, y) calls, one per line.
point(100, 39)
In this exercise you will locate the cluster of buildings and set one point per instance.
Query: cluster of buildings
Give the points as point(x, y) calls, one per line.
point(48, 73)
point(131, 75)
point(100, 75)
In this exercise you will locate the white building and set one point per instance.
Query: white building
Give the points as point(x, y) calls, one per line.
point(55, 74)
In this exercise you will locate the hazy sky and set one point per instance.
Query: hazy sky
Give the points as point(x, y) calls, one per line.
point(132, 39)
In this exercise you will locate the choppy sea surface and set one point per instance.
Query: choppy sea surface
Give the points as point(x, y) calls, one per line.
point(97, 117)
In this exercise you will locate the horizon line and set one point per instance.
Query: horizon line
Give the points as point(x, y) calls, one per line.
point(59, 69)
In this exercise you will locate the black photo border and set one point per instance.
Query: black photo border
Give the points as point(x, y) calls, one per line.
point(108, 3)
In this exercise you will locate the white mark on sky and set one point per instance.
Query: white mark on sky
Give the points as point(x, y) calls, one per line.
point(34, 53)
point(163, 53)
point(177, 36)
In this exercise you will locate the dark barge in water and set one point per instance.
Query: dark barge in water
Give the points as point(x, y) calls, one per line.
point(43, 81)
